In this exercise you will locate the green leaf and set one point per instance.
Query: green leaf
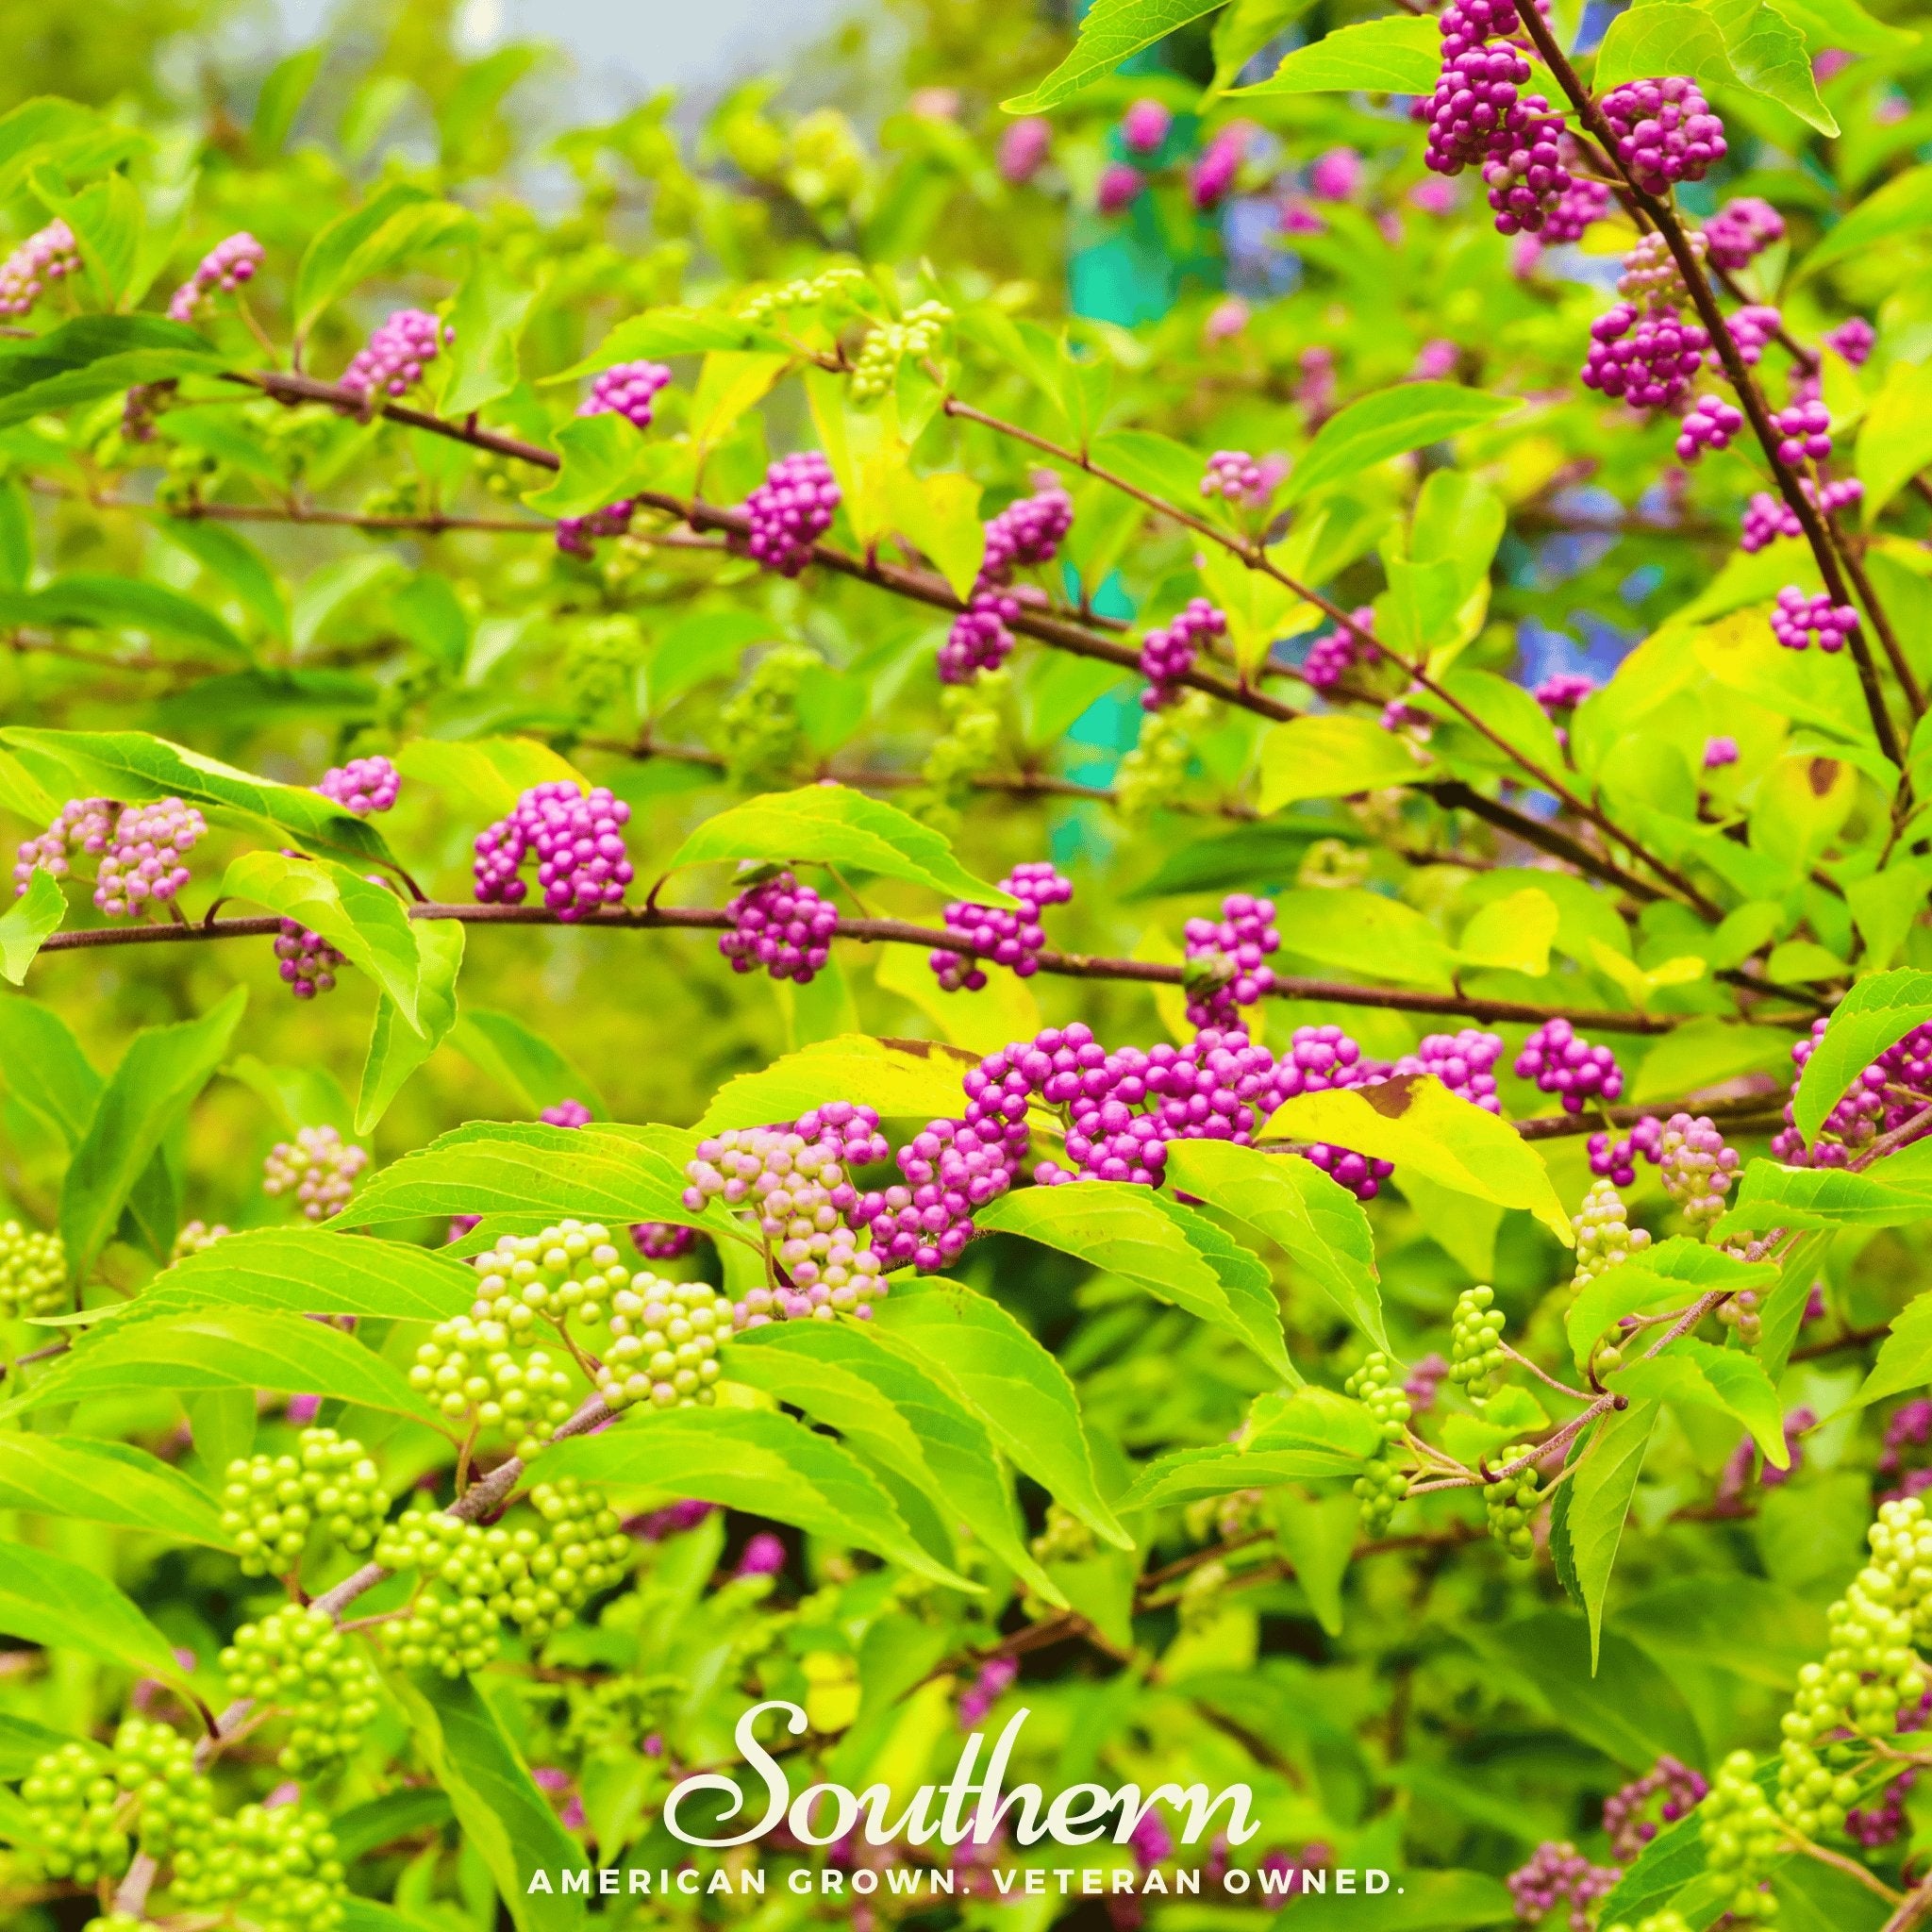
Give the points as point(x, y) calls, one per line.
point(364, 922)
point(1336, 755)
point(45, 1068)
point(26, 923)
point(236, 563)
point(898, 1078)
point(198, 1352)
point(93, 355)
point(485, 776)
point(1895, 438)
point(1844, 24)
point(1769, 56)
point(503, 1817)
point(1021, 1392)
point(134, 767)
point(284, 88)
point(1159, 1246)
point(1512, 934)
point(148, 1094)
point(940, 514)
point(398, 224)
point(528, 1068)
point(22, 1742)
point(1741, 1385)
point(1241, 30)
point(1112, 31)
point(1877, 1013)
point(1668, 1864)
point(309, 1270)
point(1663, 37)
point(1365, 933)
point(833, 825)
point(70, 1607)
point(1390, 424)
point(1312, 1436)
point(1903, 207)
point(1905, 1360)
point(1416, 1121)
point(604, 460)
point(1680, 1268)
point(904, 1413)
point(730, 382)
point(491, 310)
point(1600, 1494)
point(757, 1461)
point(1770, 1195)
point(661, 332)
point(106, 1482)
point(1315, 1220)
point(1317, 1536)
point(112, 603)
point(1398, 54)
point(395, 1050)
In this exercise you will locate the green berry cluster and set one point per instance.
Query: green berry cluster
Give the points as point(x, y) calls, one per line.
point(1064, 1540)
point(567, 1273)
point(277, 1863)
point(1870, 1671)
point(1381, 1490)
point(664, 1347)
point(467, 1369)
point(830, 285)
point(1373, 1384)
point(271, 1503)
point(975, 717)
point(1221, 1519)
point(1155, 774)
point(760, 733)
point(600, 664)
point(1198, 1603)
point(1603, 1234)
point(194, 1238)
point(888, 343)
point(1511, 1502)
point(33, 1273)
point(91, 1808)
point(1741, 1836)
point(1475, 1358)
point(298, 1661)
point(449, 1626)
point(1669, 1920)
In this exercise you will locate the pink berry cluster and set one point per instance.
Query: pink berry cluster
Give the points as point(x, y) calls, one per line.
point(141, 863)
point(1212, 177)
point(780, 925)
point(789, 511)
point(392, 360)
point(577, 536)
point(1674, 1784)
point(1710, 423)
point(566, 1113)
point(1168, 654)
point(1561, 1062)
point(1464, 1062)
point(306, 962)
point(1119, 183)
point(1026, 533)
point(1575, 210)
point(1753, 328)
point(1805, 432)
point(1320, 1057)
point(83, 822)
point(1559, 1875)
point(1884, 1096)
point(1647, 359)
point(1797, 619)
point(1719, 752)
point(1908, 1427)
point(999, 935)
point(319, 1166)
point(1563, 691)
point(362, 785)
point(1024, 149)
point(577, 839)
point(1768, 517)
point(1696, 1168)
point(47, 256)
point(996, 1677)
point(662, 1240)
point(1336, 653)
point(1741, 230)
point(1235, 476)
point(1233, 952)
point(1852, 338)
point(1616, 1161)
point(1479, 118)
point(235, 259)
point(1665, 131)
point(626, 390)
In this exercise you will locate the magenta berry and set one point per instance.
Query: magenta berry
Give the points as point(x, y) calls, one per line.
point(1464, 1062)
point(1562, 1062)
point(392, 360)
point(1710, 423)
point(1523, 170)
point(1024, 149)
point(1027, 532)
point(1335, 175)
point(1000, 934)
point(1678, 1789)
point(306, 962)
point(47, 256)
point(1805, 430)
point(789, 511)
point(1616, 1161)
point(1212, 177)
point(626, 390)
point(566, 1113)
point(1120, 184)
point(1563, 691)
point(662, 1240)
point(1144, 125)
point(1560, 1875)
point(1768, 517)
point(141, 861)
point(1884, 1097)
point(226, 266)
point(1336, 653)
point(362, 785)
point(1647, 362)
point(1852, 338)
point(1665, 131)
point(1167, 655)
point(1752, 328)
point(577, 841)
point(1719, 752)
point(1797, 619)
point(1238, 477)
point(780, 925)
point(1574, 210)
point(1239, 943)
point(576, 536)
point(1741, 230)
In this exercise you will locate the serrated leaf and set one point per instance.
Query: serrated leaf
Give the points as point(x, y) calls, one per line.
point(1904, 1359)
point(93, 355)
point(1334, 756)
point(27, 921)
point(1159, 1246)
point(485, 776)
point(1898, 1193)
point(106, 1482)
point(1112, 31)
point(833, 825)
point(604, 460)
point(395, 1048)
point(1600, 1494)
point(310, 1271)
point(757, 1461)
point(1877, 1013)
point(1677, 1268)
point(897, 1078)
point(1902, 206)
point(1416, 1121)
point(940, 514)
point(1390, 424)
point(159, 1076)
point(101, 602)
point(1020, 1392)
point(1397, 54)
point(1314, 1219)
point(45, 1070)
point(1769, 56)
point(400, 223)
point(491, 310)
point(66, 1606)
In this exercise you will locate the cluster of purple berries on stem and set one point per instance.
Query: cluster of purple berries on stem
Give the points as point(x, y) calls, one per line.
point(999, 935)
point(1647, 360)
point(140, 849)
point(362, 785)
point(627, 389)
point(1168, 654)
point(789, 511)
point(306, 962)
point(1710, 423)
point(47, 256)
point(1464, 1062)
point(1235, 476)
point(1885, 1096)
point(1797, 619)
point(1805, 432)
point(781, 925)
point(577, 841)
point(1239, 946)
point(1559, 1875)
point(1336, 653)
point(662, 1240)
point(1562, 1062)
point(1741, 230)
point(1026, 533)
point(232, 261)
point(1665, 131)
point(392, 360)
point(1768, 517)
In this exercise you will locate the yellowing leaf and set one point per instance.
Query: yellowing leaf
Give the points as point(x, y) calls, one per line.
point(1513, 933)
point(1334, 756)
point(940, 514)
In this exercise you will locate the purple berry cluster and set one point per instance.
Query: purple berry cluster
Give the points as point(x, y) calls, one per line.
point(1719, 752)
point(1561, 1062)
point(306, 962)
point(1168, 654)
point(362, 785)
point(1336, 653)
point(1805, 432)
point(1464, 1062)
point(391, 362)
point(566, 1113)
point(1885, 1095)
point(1665, 131)
point(1645, 359)
point(1119, 183)
point(1710, 423)
point(1563, 691)
point(1753, 328)
point(781, 925)
point(1026, 533)
point(1674, 1784)
point(662, 1240)
point(1559, 1875)
point(1797, 619)
point(1144, 125)
point(1908, 1427)
point(1320, 1057)
point(949, 1169)
point(997, 934)
point(789, 511)
point(47, 256)
point(996, 1677)
point(577, 839)
point(1741, 230)
point(142, 865)
point(1233, 950)
point(1235, 476)
point(1574, 210)
point(1616, 1161)
point(235, 259)
point(1696, 1168)
point(1212, 177)
point(577, 536)
point(83, 822)
point(1768, 517)
point(626, 390)
point(1853, 338)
